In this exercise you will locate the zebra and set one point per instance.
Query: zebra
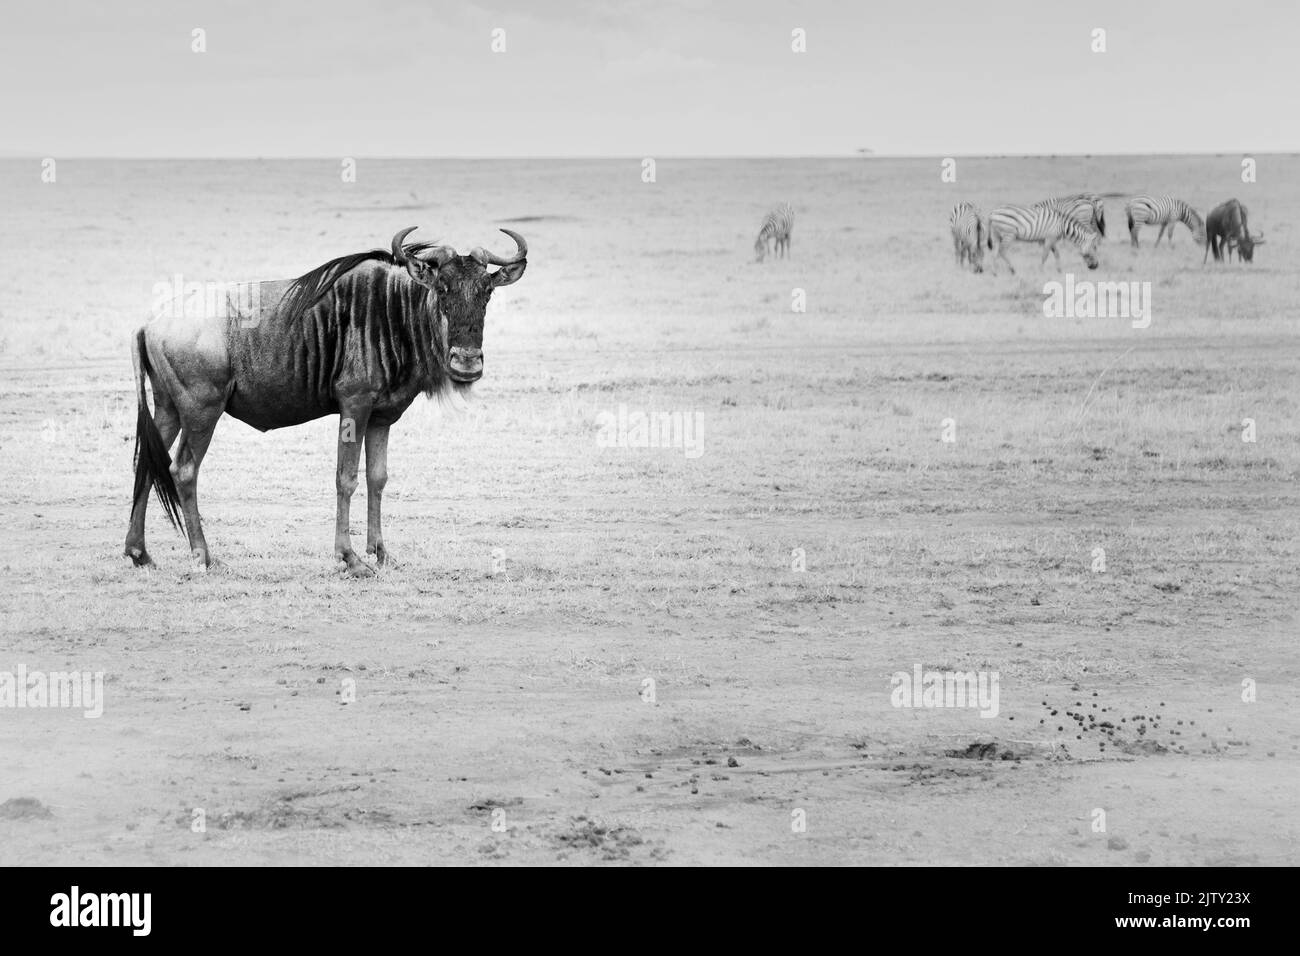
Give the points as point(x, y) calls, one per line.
point(1165, 212)
point(777, 225)
point(967, 235)
point(1085, 208)
point(1040, 224)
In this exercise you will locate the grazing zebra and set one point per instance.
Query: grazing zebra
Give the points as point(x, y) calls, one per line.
point(1085, 208)
point(1043, 225)
point(967, 235)
point(777, 225)
point(1165, 212)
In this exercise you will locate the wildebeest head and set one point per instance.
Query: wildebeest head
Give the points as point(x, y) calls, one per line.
point(1246, 245)
point(462, 286)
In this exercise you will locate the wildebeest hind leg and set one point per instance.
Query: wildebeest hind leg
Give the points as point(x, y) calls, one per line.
point(169, 424)
point(196, 435)
point(376, 478)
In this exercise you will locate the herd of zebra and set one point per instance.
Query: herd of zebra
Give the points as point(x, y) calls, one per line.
point(1081, 219)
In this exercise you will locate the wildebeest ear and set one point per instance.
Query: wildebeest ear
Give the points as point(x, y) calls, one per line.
point(508, 274)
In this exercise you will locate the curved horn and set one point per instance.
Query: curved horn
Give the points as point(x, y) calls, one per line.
point(398, 254)
point(519, 256)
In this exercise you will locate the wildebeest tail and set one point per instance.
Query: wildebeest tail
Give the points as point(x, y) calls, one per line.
point(151, 458)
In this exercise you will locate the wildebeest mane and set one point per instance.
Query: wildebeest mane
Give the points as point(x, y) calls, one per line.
point(310, 287)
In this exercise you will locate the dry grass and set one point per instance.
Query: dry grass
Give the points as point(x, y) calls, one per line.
point(821, 431)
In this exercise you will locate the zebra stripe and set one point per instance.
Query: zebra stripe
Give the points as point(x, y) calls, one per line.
point(777, 226)
point(1083, 208)
point(1043, 225)
point(967, 235)
point(1165, 212)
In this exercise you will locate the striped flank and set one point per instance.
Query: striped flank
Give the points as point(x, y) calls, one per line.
point(777, 226)
point(1165, 212)
point(1043, 225)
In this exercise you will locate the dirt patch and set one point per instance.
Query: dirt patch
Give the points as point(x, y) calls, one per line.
point(24, 808)
point(610, 843)
point(990, 750)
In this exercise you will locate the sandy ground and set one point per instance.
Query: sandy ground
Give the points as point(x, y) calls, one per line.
point(486, 698)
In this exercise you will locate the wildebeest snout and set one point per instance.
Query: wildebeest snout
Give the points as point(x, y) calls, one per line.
point(466, 364)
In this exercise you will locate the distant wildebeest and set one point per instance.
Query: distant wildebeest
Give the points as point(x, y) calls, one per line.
point(1165, 212)
point(360, 336)
point(777, 225)
point(1084, 208)
point(1226, 227)
point(1042, 225)
point(967, 235)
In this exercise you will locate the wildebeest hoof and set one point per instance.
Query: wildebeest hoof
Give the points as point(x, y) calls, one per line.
point(380, 553)
point(358, 568)
point(140, 557)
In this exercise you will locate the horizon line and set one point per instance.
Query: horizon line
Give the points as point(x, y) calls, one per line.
point(640, 157)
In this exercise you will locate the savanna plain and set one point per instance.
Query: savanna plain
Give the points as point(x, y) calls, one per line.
point(585, 653)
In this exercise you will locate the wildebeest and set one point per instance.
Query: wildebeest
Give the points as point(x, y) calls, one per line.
point(360, 336)
point(967, 227)
point(1226, 227)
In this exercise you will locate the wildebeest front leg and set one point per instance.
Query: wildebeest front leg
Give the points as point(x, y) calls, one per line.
point(352, 429)
point(376, 478)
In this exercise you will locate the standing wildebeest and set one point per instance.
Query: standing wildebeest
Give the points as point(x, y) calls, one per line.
point(360, 336)
point(967, 235)
point(1226, 226)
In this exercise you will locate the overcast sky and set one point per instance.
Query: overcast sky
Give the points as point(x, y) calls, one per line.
point(646, 78)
